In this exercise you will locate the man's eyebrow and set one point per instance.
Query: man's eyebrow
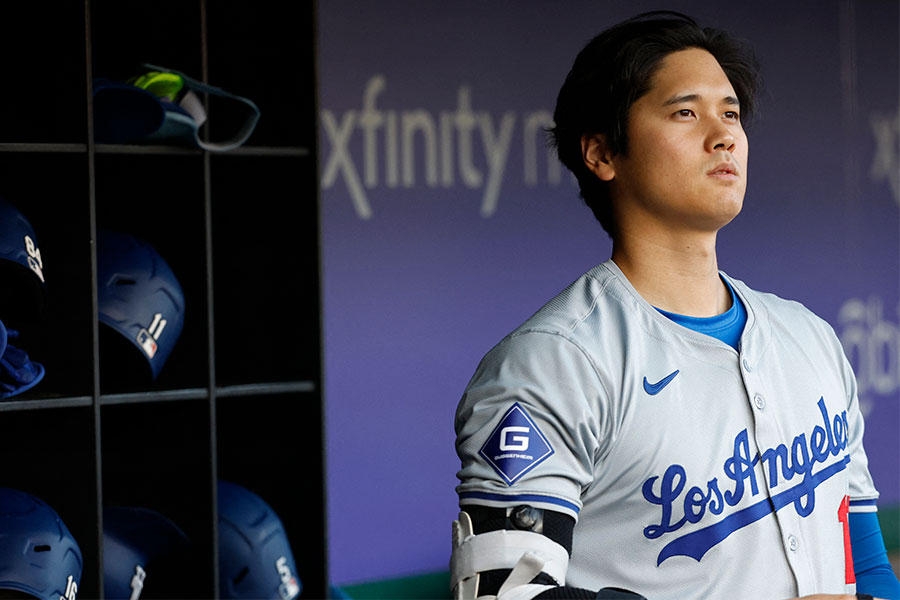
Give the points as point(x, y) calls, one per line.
point(730, 100)
point(682, 99)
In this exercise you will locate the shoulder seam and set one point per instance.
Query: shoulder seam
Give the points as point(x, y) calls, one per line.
point(580, 348)
point(565, 333)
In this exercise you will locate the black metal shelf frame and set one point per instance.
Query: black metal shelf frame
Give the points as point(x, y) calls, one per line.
point(46, 403)
point(229, 391)
point(208, 390)
point(74, 148)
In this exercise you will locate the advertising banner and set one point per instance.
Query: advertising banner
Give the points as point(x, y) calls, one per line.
point(445, 223)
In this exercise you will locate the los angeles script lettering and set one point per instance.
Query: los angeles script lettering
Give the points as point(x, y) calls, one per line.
point(800, 459)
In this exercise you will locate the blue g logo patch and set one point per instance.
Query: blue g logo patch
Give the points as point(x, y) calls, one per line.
point(516, 445)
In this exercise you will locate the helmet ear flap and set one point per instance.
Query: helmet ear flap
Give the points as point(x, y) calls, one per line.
point(139, 544)
point(4, 338)
point(21, 267)
point(140, 299)
point(38, 555)
point(255, 557)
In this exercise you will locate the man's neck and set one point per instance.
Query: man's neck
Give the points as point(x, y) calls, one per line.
point(678, 274)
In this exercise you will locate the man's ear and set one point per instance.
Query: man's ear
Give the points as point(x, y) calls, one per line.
point(597, 156)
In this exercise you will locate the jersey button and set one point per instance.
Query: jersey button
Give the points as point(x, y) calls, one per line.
point(759, 401)
point(793, 544)
point(746, 365)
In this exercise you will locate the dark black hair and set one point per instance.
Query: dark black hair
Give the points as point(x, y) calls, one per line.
point(615, 69)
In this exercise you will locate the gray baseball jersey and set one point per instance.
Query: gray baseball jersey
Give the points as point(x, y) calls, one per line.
point(693, 470)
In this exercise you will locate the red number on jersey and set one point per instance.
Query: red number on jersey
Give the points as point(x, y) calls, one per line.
point(843, 517)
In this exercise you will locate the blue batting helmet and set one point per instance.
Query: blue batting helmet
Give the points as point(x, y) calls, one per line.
point(255, 558)
point(139, 296)
point(38, 555)
point(140, 543)
point(22, 265)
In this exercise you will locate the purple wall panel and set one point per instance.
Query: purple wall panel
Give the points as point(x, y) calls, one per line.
point(444, 225)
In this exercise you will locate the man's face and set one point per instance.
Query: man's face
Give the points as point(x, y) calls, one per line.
point(686, 166)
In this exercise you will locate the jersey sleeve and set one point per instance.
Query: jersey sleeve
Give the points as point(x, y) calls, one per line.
point(862, 491)
point(529, 425)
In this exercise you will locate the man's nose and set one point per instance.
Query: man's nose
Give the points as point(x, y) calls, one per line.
point(720, 138)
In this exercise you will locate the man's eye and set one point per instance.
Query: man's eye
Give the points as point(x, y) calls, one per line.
point(685, 112)
point(733, 115)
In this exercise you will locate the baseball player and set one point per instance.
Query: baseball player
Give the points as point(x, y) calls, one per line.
point(659, 429)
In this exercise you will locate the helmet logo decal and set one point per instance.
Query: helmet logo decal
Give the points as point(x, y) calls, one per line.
point(34, 257)
point(147, 337)
point(137, 582)
point(289, 587)
point(71, 589)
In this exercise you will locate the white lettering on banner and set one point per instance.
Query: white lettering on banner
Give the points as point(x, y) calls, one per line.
point(441, 146)
point(886, 164)
point(341, 159)
point(872, 345)
point(534, 132)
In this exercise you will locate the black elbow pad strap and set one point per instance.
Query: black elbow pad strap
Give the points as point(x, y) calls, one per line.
point(566, 593)
point(556, 526)
point(617, 594)
point(572, 593)
point(491, 581)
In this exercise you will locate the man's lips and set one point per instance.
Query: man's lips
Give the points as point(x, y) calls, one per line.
point(724, 171)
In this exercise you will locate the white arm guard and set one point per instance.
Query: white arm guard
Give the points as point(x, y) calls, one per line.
point(525, 552)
